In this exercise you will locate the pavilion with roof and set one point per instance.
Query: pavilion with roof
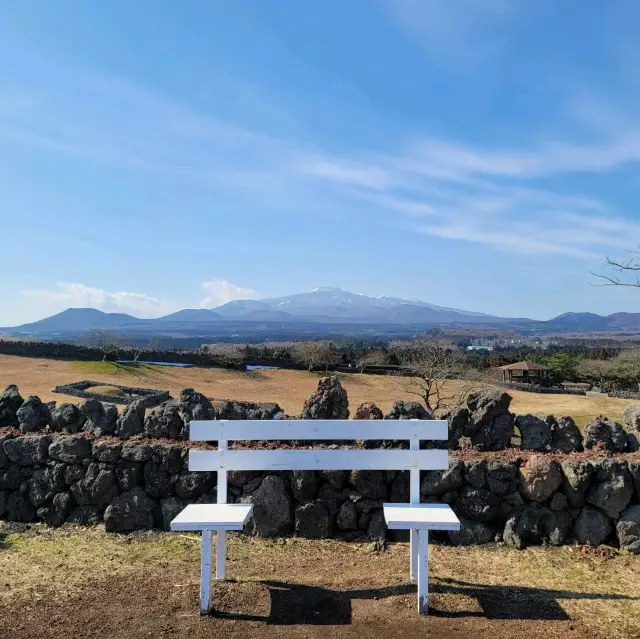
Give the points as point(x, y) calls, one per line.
point(526, 372)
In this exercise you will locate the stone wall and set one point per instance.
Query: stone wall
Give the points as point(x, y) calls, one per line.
point(623, 394)
point(80, 352)
point(535, 388)
point(534, 499)
point(82, 389)
point(523, 479)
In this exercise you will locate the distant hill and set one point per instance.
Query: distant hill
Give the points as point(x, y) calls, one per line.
point(324, 311)
point(78, 319)
point(589, 322)
point(579, 322)
point(190, 315)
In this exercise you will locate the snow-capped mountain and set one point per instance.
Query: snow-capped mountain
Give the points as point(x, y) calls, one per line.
point(333, 302)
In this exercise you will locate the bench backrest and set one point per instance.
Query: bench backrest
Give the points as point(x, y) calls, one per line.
point(224, 460)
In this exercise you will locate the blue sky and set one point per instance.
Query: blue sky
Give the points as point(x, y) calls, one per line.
point(157, 155)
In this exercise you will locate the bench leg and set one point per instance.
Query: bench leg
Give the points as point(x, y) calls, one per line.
point(423, 571)
point(413, 571)
point(221, 551)
point(205, 573)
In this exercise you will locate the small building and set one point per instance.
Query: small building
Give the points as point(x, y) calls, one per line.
point(479, 347)
point(524, 372)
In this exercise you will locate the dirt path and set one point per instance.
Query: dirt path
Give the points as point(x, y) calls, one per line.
point(86, 583)
point(164, 604)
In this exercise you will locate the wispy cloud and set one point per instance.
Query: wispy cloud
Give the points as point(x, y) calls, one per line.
point(75, 295)
point(219, 292)
point(447, 188)
point(456, 31)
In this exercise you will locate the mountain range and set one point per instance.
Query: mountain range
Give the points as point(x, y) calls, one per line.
point(331, 307)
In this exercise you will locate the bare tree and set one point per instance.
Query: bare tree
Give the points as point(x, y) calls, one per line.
point(131, 345)
point(432, 365)
point(315, 354)
point(372, 357)
point(228, 354)
point(628, 271)
point(107, 341)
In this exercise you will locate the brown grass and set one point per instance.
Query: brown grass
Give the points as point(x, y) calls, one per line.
point(106, 390)
point(597, 594)
point(286, 387)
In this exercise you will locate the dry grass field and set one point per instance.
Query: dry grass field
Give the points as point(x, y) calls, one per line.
point(288, 388)
point(86, 583)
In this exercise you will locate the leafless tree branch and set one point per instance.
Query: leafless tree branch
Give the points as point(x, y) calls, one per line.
point(620, 266)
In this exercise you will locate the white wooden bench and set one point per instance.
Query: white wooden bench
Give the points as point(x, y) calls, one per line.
point(221, 517)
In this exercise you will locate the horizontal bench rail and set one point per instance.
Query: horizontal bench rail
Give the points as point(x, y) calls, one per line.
point(226, 460)
point(311, 429)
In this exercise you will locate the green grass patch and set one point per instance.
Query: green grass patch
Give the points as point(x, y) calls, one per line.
point(107, 368)
point(124, 371)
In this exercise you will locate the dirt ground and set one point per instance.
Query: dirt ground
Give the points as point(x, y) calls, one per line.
point(288, 388)
point(86, 583)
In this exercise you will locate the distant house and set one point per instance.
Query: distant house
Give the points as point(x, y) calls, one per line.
point(479, 347)
point(527, 372)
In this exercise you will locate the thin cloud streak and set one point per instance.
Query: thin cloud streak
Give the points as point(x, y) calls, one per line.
point(480, 195)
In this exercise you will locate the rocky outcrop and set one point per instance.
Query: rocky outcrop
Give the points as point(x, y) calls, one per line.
point(132, 510)
point(248, 410)
point(534, 524)
point(628, 530)
point(313, 520)
point(272, 508)
point(535, 434)
point(347, 516)
point(408, 410)
point(33, 415)
point(100, 419)
point(370, 484)
point(131, 422)
point(10, 403)
point(630, 415)
point(540, 478)
point(606, 433)
point(576, 480)
point(472, 533)
point(330, 401)
point(565, 436)
point(439, 482)
point(28, 451)
point(592, 527)
point(194, 405)
point(612, 488)
point(458, 421)
point(305, 485)
point(67, 418)
point(165, 421)
point(72, 449)
point(477, 504)
point(368, 410)
point(490, 425)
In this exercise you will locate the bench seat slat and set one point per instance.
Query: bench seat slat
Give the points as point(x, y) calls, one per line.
point(412, 516)
point(312, 429)
point(226, 460)
point(212, 517)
